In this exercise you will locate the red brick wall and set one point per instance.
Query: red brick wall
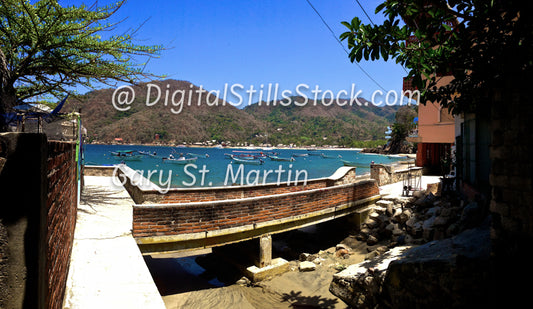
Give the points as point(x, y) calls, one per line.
point(237, 192)
point(199, 217)
point(185, 196)
point(61, 218)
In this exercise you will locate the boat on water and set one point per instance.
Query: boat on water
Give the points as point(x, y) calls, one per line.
point(198, 155)
point(243, 161)
point(147, 153)
point(300, 154)
point(354, 164)
point(254, 154)
point(276, 158)
point(126, 155)
point(330, 157)
point(180, 159)
point(312, 153)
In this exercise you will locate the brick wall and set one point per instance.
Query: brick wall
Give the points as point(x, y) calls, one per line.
point(61, 218)
point(161, 220)
point(237, 192)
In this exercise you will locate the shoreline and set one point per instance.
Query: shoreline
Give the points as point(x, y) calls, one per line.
point(233, 147)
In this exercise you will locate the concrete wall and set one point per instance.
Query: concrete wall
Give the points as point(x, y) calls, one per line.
point(97, 170)
point(37, 219)
point(432, 126)
point(23, 203)
point(385, 174)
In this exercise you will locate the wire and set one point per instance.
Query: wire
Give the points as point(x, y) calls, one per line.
point(344, 48)
point(370, 19)
point(362, 8)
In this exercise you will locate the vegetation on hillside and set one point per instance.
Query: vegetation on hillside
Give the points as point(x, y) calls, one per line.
point(348, 126)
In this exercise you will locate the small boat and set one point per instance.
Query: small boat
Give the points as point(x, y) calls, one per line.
point(147, 153)
point(300, 154)
point(276, 158)
point(355, 164)
point(315, 153)
point(198, 155)
point(330, 157)
point(180, 160)
point(241, 161)
point(129, 155)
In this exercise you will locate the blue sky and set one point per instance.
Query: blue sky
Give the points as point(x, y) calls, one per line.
point(218, 42)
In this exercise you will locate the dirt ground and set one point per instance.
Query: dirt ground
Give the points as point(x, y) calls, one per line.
point(213, 280)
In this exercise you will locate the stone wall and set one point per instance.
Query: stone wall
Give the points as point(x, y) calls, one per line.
point(161, 220)
point(512, 186)
point(386, 174)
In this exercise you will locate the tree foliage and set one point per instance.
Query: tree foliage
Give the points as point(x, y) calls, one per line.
point(48, 49)
point(482, 44)
point(404, 123)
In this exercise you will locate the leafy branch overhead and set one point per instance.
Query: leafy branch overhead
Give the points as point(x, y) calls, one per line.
point(482, 44)
point(47, 49)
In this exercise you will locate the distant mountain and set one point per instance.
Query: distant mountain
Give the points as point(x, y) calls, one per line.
point(315, 123)
point(209, 118)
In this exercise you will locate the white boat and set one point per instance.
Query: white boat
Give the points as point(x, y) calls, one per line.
point(198, 155)
point(180, 160)
point(330, 157)
point(241, 161)
point(147, 153)
point(276, 158)
point(300, 154)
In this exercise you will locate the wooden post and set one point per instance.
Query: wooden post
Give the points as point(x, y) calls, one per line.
point(265, 251)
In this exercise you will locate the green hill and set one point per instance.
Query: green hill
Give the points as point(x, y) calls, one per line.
point(208, 119)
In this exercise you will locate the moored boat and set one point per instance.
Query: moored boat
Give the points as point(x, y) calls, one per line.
point(276, 158)
point(129, 155)
point(352, 163)
point(198, 155)
point(242, 161)
point(180, 160)
point(330, 157)
point(147, 153)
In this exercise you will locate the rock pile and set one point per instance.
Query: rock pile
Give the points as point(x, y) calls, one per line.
point(418, 219)
point(435, 245)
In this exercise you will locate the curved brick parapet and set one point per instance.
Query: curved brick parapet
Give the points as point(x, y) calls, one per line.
point(153, 195)
point(180, 226)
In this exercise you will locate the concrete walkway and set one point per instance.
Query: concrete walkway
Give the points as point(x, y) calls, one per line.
point(395, 189)
point(107, 269)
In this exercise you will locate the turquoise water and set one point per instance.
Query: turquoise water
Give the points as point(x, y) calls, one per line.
point(217, 170)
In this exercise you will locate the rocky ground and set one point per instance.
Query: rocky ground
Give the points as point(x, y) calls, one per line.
point(319, 254)
point(437, 254)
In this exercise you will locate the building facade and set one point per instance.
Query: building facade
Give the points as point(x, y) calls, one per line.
point(435, 136)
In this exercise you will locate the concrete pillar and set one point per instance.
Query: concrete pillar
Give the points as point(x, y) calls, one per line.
point(265, 251)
